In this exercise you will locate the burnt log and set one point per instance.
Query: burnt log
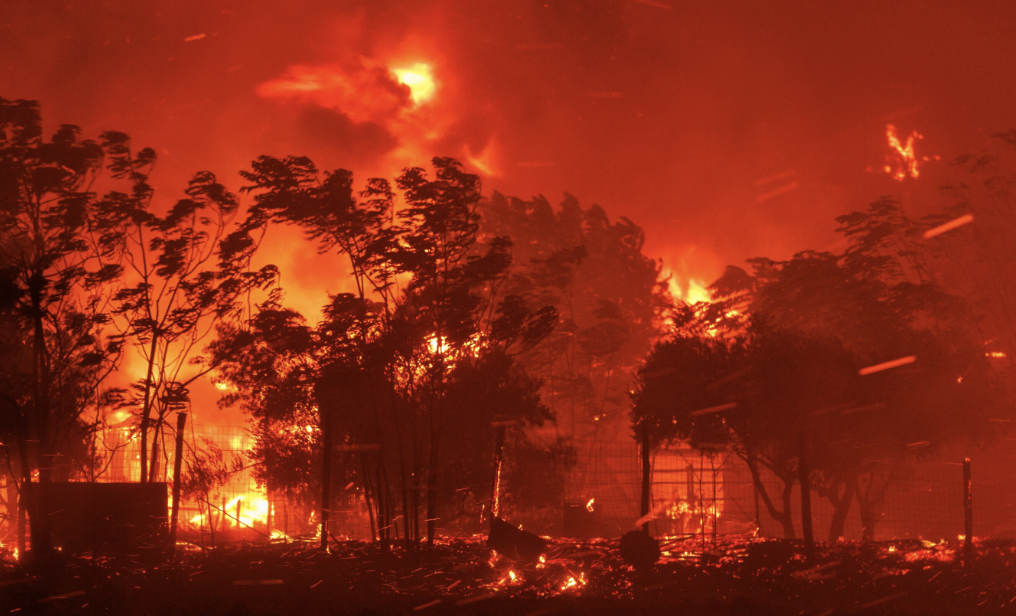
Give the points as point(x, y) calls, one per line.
point(639, 549)
point(514, 543)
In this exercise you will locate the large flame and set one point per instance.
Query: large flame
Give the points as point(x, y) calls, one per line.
point(419, 78)
point(902, 161)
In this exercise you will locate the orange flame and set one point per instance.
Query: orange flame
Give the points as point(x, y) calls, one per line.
point(902, 161)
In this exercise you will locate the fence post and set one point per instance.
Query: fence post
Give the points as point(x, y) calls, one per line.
point(803, 478)
point(326, 476)
point(968, 512)
point(181, 421)
point(646, 478)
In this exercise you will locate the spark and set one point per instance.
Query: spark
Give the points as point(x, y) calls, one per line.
point(949, 226)
point(589, 505)
point(194, 37)
point(653, 3)
point(888, 365)
point(783, 175)
point(777, 192)
point(420, 81)
point(713, 409)
point(426, 605)
point(995, 354)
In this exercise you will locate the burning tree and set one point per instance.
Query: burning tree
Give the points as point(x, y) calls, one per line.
point(607, 293)
point(878, 301)
point(186, 270)
point(384, 360)
point(753, 393)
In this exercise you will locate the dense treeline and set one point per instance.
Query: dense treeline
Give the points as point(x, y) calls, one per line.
point(790, 347)
point(452, 329)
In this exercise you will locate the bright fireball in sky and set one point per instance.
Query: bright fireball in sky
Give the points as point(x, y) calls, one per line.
point(419, 79)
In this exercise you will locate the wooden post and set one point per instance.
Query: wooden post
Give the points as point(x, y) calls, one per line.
point(647, 484)
point(803, 478)
point(968, 512)
point(326, 477)
point(181, 421)
point(495, 494)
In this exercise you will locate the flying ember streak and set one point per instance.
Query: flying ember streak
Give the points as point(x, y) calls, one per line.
point(589, 505)
point(887, 365)
point(713, 409)
point(949, 226)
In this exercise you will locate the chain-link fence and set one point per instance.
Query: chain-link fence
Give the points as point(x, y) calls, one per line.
point(714, 494)
point(693, 494)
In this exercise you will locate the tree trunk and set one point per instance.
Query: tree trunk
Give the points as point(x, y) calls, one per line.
point(146, 408)
point(786, 517)
point(647, 479)
point(432, 492)
point(367, 496)
point(153, 466)
point(22, 526)
point(841, 507)
point(804, 480)
point(181, 421)
point(39, 424)
point(867, 521)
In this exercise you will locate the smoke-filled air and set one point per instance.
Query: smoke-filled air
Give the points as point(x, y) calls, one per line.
point(521, 307)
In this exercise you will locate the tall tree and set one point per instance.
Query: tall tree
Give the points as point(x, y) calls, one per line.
point(186, 271)
point(61, 266)
point(607, 294)
point(391, 348)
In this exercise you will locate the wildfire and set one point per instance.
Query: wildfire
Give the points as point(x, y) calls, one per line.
point(902, 161)
point(692, 291)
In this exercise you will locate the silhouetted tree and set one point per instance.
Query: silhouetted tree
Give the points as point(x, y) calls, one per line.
point(187, 269)
point(390, 349)
point(60, 268)
point(882, 300)
point(607, 294)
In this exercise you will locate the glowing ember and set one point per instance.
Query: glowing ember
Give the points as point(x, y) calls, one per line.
point(589, 505)
point(902, 162)
point(574, 582)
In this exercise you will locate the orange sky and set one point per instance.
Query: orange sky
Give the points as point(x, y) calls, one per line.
point(677, 115)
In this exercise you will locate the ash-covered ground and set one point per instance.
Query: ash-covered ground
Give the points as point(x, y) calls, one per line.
point(463, 576)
